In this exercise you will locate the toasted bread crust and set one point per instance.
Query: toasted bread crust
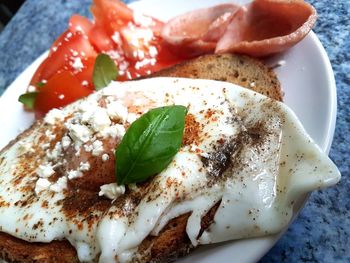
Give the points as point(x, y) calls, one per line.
point(172, 242)
point(237, 69)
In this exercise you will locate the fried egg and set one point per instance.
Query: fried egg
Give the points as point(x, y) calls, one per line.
point(241, 150)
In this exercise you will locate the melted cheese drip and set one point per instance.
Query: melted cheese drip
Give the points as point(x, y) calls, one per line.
point(256, 191)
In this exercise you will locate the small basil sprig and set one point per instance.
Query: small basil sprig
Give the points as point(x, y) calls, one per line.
point(28, 99)
point(150, 144)
point(104, 71)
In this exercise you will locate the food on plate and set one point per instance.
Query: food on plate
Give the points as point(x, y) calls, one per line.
point(260, 28)
point(243, 163)
point(141, 45)
point(131, 39)
point(237, 69)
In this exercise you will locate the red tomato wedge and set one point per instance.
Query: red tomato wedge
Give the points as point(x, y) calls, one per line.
point(100, 39)
point(85, 75)
point(111, 15)
point(64, 54)
point(131, 39)
point(81, 24)
point(60, 90)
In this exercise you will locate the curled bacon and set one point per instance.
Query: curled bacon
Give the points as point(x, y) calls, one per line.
point(261, 28)
point(198, 31)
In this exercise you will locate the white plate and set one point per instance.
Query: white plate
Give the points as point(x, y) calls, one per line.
point(307, 80)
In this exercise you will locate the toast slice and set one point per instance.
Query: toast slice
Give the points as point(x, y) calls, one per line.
point(172, 242)
point(237, 69)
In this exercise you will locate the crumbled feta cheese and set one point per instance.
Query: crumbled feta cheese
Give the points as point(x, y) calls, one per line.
point(116, 38)
point(87, 105)
point(79, 132)
point(115, 55)
point(41, 185)
point(105, 157)
point(66, 141)
point(116, 110)
point(60, 185)
point(53, 116)
point(77, 151)
point(97, 148)
point(99, 119)
point(31, 88)
point(84, 166)
point(114, 131)
point(79, 28)
point(145, 62)
point(131, 117)
point(134, 36)
point(153, 51)
point(49, 134)
point(77, 64)
point(112, 191)
point(45, 171)
point(193, 148)
point(45, 146)
point(56, 152)
point(24, 146)
point(88, 147)
point(142, 20)
point(74, 174)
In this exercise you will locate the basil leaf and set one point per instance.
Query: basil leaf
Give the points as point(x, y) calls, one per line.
point(150, 144)
point(28, 99)
point(104, 71)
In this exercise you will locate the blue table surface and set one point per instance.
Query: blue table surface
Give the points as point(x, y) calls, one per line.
point(321, 233)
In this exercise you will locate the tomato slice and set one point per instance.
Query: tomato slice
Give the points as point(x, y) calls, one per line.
point(78, 23)
point(100, 39)
point(85, 75)
point(72, 47)
point(112, 15)
point(131, 39)
point(37, 75)
point(60, 90)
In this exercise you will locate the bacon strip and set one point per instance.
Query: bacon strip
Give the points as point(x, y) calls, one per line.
point(198, 31)
point(261, 28)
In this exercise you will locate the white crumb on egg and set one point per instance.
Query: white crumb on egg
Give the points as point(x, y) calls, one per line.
point(132, 117)
point(79, 132)
point(66, 141)
point(105, 157)
point(45, 171)
point(54, 115)
point(60, 185)
point(97, 148)
point(116, 110)
point(72, 174)
point(49, 134)
point(112, 191)
point(41, 185)
point(84, 166)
